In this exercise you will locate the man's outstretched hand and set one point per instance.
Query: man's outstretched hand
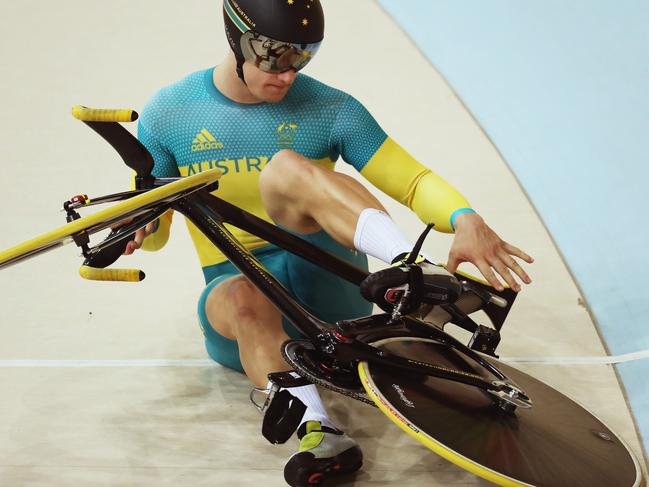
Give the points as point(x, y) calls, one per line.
point(475, 242)
point(139, 235)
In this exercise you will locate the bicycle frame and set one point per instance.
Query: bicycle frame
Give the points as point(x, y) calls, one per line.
point(209, 213)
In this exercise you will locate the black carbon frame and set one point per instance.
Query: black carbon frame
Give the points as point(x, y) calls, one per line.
point(209, 213)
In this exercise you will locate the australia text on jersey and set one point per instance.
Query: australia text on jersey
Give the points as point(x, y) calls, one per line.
point(243, 164)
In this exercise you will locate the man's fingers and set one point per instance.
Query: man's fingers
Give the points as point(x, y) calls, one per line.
point(115, 226)
point(130, 248)
point(139, 237)
point(510, 249)
point(502, 269)
point(453, 263)
point(515, 266)
point(489, 274)
point(136, 243)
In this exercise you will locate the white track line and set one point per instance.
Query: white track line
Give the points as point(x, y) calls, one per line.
point(109, 363)
point(605, 360)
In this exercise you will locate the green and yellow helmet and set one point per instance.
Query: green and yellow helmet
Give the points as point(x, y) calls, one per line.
point(274, 35)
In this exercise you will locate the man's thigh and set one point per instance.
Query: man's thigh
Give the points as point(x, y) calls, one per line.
point(219, 343)
point(327, 296)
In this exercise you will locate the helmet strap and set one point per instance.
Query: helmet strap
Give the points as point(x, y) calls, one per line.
point(240, 60)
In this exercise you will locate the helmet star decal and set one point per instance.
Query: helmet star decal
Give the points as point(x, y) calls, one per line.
point(305, 22)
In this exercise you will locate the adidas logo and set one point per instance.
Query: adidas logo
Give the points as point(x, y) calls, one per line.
point(205, 141)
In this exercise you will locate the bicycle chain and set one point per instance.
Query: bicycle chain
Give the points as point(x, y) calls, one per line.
point(321, 382)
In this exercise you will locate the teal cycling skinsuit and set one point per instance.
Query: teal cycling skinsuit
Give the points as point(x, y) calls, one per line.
point(191, 127)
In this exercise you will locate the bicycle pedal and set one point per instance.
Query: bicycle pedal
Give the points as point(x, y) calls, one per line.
point(288, 379)
point(283, 415)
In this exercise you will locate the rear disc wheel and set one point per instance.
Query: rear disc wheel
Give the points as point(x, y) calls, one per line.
point(555, 443)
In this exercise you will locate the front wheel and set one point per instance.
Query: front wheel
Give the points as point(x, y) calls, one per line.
point(555, 443)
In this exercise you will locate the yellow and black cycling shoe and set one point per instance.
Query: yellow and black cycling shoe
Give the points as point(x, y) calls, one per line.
point(323, 453)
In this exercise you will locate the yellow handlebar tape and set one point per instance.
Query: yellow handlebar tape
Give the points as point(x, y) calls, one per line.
point(86, 114)
point(95, 274)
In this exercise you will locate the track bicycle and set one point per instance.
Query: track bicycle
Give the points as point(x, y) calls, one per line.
point(458, 400)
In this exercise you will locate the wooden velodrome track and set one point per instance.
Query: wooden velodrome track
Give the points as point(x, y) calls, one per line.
point(139, 406)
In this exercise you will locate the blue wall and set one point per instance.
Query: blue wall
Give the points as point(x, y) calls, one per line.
point(562, 88)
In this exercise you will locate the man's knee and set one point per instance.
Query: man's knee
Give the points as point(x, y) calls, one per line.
point(284, 190)
point(286, 171)
point(236, 304)
point(286, 159)
point(246, 299)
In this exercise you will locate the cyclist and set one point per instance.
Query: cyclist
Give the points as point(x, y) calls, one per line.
point(276, 135)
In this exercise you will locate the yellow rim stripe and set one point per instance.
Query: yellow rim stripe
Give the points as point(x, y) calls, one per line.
point(103, 115)
point(426, 440)
point(195, 181)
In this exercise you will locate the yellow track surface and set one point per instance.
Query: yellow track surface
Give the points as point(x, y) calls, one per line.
point(64, 234)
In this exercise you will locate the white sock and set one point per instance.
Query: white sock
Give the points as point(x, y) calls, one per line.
point(377, 235)
point(315, 410)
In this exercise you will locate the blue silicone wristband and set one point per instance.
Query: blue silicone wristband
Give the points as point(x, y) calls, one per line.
point(459, 212)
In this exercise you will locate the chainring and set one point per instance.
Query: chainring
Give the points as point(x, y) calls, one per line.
point(303, 357)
